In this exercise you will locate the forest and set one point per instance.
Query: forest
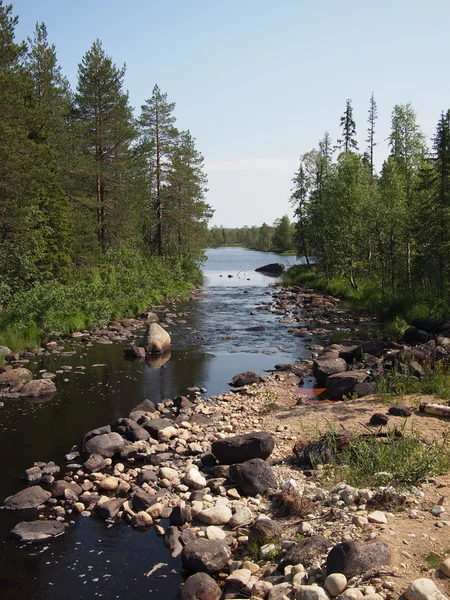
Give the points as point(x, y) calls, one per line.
point(101, 211)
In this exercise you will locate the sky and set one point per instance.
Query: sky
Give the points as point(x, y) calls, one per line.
point(258, 82)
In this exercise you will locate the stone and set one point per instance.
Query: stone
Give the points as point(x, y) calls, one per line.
point(215, 533)
point(253, 477)
point(272, 269)
point(134, 352)
point(31, 497)
point(400, 411)
point(130, 430)
point(141, 500)
point(378, 419)
point(247, 378)
point(172, 540)
point(351, 594)
point(324, 367)
point(180, 515)
point(343, 384)
point(36, 531)
point(414, 336)
point(94, 463)
point(311, 592)
point(445, 567)
point(353, 558)
point(59, 487)
point(109, 484)
point(261, 588)
point(423, 589)
point(239, 578)
point(200, 587)
point(240, 448)
point(378, 517)
point(243, 516)
point(306, 552)
point(206, 556)
point(32, 474)
point(335, 584)
point(146, 477)
point(215, 515)
point(110, 508)
point(265, 530)
point(154, 426)
point(14, 379)
point(142, 519)
point(280, 591)
point(373, 347)
point(38, 387)
point(4, 351)
point(145, 406)
point(194, 479)
point(156, 339)
point(107, 444)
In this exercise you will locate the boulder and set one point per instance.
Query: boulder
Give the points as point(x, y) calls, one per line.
point(37, 531)
point(310, 592)
point(379, 419)
point(4, 351)
point(130, 430)
point(324, 367)
point(247, 378)
point(365, 389)
point(141, 500)
point(373, 347)
point(156, 339)
point(180, 515)
point(110, 508)
point(400, 411)
point(306, 552)
point(215, 515)
point(92, 433)
point(343, 384)
point(205, 556)
point(31, 497)
point(58, 488)
point(15, 378)
point(200, 587)
point(38, 387)
point(423, 589)
point(154, 426)
point(239, 448)
point(264, 531)
point(414, 336)
point(134, 352)
point(353, 558)
point(107, 444)
point(145, 406)
point(253, 477)
point(272, 269)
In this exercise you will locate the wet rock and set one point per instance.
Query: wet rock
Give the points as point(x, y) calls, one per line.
point(206, 556)
point(400, 411)
point(59, 487)
point(378, 419)
point(172, 540)
point(306, 552)
point(156, 339)
point(130, 430)
point(36, 531)
point(134, 352)
point(31, 497)
point(200, 587)
point(14, 379)
point(343, 384)
point(253, 477)
point(353, 558)
point(107, 444)
point(38, 387)
point(110, 508)
point(423, 589)
point(247, 378)
point(94, 463)
point(324, 367)
point(240, 448)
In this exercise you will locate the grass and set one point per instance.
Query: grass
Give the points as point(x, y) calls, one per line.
point(254, 549)
point(434, 560)
point(400, 381)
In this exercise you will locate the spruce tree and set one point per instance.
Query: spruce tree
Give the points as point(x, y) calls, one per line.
point(371, 119)
point(348, 141)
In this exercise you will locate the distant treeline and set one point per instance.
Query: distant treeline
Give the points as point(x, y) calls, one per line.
point(278, 237)
point(90, 194)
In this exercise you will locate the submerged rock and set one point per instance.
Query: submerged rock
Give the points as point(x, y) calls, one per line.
point(37, 531)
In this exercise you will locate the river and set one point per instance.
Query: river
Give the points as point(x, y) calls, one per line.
point(92, 559)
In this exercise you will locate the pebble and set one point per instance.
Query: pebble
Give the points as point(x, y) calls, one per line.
point(335, 584)
point(378, 517)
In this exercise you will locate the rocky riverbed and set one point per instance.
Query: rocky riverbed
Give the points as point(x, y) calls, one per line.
point(222, 470)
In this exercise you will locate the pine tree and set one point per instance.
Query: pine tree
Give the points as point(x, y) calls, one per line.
point(348, 141)
point(371, 119)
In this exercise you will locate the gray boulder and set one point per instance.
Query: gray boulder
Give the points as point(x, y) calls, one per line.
point(253, 477)
point(37, 531)
point(156, 339)
point(107, 444)
point(343, 384)
point(31, 497)
point(272, 269)
point(353, 558)
point(205, 556)
point(324, 367)
point(239, 448)
point(200, 587)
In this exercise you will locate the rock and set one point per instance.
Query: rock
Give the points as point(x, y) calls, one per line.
point(107, 444)
point(154, 426)
point(59, 487)
point(14, 379)
point(215, 515)
point(141, 500)
point(445, 567)
point(414, 336)
point(4, 351)
point(36, 531)
point(242, 517)
point(261, 588)
point(240, 448)
point(247, 378)
point(90, 434)
point(156, 339)
point(343, 384)
point(351, 594)
point(194, 479)
point(142, 519)
point(94, 463)
point(180, 515)
point(130, 430)
point(378, 517)
point(253, 477)
point(373, 347)
point(31, 497)
point(200, 587)
point(335, 584)
point(324, 367)
point(311, 592)
point(306, 552)
point(109, 484)
point(239, 578)
point(353, 558)
point(365, 389)
point(134, 352)
point(145, 406)
point(265, 530)
point(378, 419)
point(423, 589)
point(272, 269)
point(38, 387)
point(110, 508)
point(206, 556)
point(146, 477)
point(215, 533)
point(32, 474)
point(400, 411)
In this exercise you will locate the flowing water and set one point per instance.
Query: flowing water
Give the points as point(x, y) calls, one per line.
point(92, 559)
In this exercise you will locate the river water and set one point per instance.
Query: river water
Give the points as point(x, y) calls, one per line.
point(94, 560)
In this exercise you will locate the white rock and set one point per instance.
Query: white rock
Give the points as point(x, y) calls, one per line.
point(239, 578)
point(423, 589)
point(437, 510)
point(299, 578)
point(378, 517)
point(266, 550)
point(359, 521)
point(109, 483)
point(335, 584)
point(167, 433)
point(215, 533)
point(305, 527)
point(168, 473)
point(311, 592)
point(216, 515)
point(195, 480)
point(445, 567)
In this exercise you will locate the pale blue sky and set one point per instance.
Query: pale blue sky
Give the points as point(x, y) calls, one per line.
point(257, 81)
